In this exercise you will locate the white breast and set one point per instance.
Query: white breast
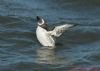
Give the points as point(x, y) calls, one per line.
point(44, 38)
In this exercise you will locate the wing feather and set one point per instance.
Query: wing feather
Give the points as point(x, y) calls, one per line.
point(58, 30)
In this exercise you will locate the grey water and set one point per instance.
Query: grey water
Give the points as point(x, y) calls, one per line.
point(20, 50)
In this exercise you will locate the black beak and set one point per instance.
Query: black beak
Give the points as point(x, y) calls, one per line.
point(39, 19)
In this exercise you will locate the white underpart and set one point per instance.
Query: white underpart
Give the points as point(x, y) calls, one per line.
point(58, 30)
point(44, 38)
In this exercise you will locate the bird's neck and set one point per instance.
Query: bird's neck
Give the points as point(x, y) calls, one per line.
point(45, 26)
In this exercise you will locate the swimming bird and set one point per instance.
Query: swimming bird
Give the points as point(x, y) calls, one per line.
point(46, 36)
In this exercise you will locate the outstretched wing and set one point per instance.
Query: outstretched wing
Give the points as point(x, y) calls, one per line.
point(58, 30)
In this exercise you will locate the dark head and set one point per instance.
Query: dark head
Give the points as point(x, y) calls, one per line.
point(40, 20)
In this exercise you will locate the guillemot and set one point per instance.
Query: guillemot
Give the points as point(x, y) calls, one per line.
point(46, 36)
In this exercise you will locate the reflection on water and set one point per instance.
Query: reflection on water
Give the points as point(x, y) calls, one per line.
point(49, 56)
point(46, 55)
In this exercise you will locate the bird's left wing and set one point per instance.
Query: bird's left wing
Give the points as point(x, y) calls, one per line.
point(58, 30)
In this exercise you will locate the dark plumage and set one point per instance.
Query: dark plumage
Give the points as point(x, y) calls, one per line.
point(44, 25)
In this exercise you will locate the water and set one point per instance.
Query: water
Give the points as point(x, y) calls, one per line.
point(20, 50)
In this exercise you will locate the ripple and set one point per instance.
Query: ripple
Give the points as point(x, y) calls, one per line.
point(20, 50)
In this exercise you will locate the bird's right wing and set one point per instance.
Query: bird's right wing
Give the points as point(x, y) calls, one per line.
point(58, 30)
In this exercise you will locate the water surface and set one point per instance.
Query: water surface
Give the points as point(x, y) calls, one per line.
point(20, 50)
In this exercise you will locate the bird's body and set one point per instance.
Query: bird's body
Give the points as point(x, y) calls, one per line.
point(44, 38)
point(47, 37)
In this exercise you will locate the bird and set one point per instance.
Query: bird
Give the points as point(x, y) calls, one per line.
point(46, 36)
